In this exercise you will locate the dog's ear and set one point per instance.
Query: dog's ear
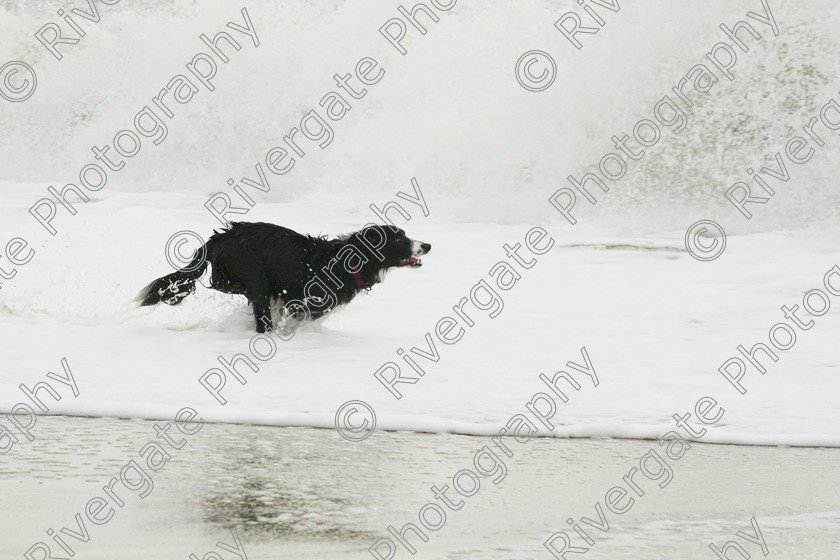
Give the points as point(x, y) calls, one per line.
point(385, 230)
point(357, 239)
point(372, 238)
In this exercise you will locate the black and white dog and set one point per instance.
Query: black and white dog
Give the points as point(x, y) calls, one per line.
point(305, 276)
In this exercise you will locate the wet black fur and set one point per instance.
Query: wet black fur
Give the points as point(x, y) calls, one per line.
point(270, 264)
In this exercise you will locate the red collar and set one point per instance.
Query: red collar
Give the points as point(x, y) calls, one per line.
point(360, 283)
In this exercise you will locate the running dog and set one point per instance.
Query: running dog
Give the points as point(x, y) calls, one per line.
point(305, 276)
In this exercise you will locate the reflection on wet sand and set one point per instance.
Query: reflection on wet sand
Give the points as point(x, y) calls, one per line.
point(303, 492)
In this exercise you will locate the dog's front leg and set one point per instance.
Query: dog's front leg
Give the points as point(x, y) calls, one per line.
point(265, 324)
point(262, 314)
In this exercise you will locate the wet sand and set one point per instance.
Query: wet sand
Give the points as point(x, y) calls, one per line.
point(307, 493)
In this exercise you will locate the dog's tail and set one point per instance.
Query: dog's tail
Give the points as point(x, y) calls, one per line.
point(173, 288)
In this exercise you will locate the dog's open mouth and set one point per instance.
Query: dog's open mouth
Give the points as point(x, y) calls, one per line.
point(411, 262)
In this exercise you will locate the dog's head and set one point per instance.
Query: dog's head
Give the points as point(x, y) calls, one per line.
point(392, 248)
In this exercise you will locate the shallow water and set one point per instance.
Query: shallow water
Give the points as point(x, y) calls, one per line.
point(302, 492)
